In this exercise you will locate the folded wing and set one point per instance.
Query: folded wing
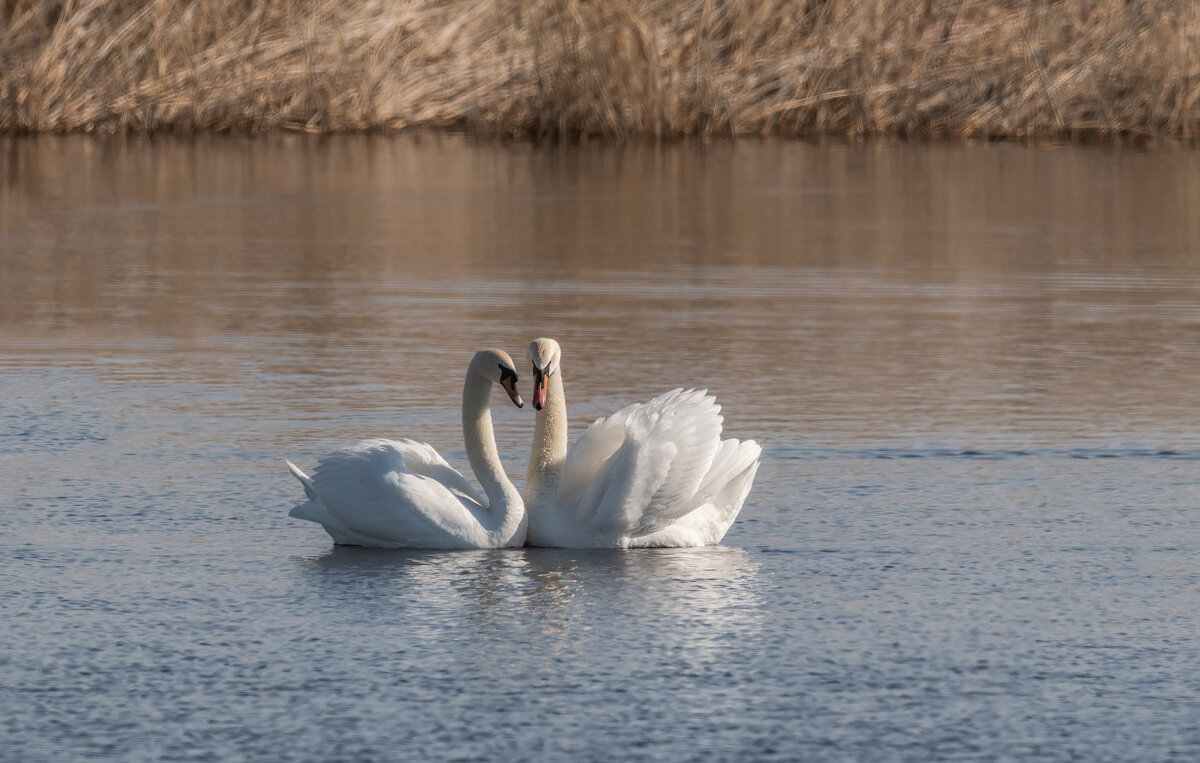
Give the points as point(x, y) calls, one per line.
point(390, 492)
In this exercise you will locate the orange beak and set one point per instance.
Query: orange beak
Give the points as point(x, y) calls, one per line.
point(510, 386)
point(539, 390)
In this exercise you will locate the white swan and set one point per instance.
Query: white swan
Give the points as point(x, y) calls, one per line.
point(650, 475)
point(402, 494)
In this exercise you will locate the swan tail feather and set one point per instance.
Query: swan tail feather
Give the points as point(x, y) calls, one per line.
point(309, 490)
point(315, 511)
point(312, 510)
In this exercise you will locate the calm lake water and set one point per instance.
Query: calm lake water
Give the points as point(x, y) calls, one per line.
point(975, 532)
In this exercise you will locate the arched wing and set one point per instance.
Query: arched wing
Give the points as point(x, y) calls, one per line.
point(587, 459)
point(731, 463)
point(640, 469)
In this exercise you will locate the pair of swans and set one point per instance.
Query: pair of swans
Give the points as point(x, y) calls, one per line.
point(655, 474)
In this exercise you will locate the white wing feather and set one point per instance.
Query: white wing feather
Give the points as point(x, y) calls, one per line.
point(641, 469)
point(423, 459)
point(591, 455)
point(692, 422)
point(388, 492)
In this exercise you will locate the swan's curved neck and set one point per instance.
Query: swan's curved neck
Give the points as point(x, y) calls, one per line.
point(504, 502)
point(549, 444)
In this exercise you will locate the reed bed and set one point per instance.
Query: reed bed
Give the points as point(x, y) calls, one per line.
point(1109, 69)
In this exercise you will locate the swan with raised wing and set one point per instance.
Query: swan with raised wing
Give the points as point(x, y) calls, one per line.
point(403, 494)
point(655, 474)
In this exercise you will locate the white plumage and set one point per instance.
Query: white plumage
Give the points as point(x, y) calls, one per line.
point(393, 494)
point(651, 474)
point(403, 494)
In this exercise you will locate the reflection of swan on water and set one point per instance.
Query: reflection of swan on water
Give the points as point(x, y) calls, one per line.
point(714, 590)
point(656, 474)
point(683, 581)
point(403, 494)
point(707, 597)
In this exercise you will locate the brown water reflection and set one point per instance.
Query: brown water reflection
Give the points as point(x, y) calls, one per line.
point(972, 295)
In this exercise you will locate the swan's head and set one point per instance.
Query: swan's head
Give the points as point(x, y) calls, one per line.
point(544, 355)
point(498, 368)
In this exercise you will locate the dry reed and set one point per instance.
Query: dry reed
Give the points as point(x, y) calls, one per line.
point(611, 68)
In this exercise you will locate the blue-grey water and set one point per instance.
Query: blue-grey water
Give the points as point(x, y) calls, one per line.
point(975, 533)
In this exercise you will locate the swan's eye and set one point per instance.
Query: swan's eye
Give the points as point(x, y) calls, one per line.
point(507, 374)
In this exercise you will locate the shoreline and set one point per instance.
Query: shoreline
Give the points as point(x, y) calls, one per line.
point(645, 70)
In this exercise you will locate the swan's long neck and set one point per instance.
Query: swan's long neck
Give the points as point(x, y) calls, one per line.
point(549, 445)
point(504, 502)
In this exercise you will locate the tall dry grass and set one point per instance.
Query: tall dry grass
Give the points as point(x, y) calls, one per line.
point(612, 68)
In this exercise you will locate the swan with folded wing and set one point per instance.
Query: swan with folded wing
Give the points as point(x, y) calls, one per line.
point(403, 494)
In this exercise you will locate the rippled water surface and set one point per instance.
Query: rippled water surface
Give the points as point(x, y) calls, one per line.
point(975, 532)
